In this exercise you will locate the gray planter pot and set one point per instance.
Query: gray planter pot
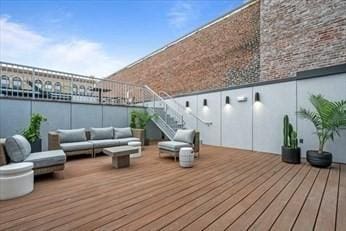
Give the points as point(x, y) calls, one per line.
point(290, 155)
point(316, 159)
point(36, 146)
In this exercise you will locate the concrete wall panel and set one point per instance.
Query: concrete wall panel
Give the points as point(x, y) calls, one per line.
point(333, 88)
point(276, 100)
point(237, 120)
point(14, 116)
point(58, 117)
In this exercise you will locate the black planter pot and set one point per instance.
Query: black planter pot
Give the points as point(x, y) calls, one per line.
point(290, 155)
point(36, 146)
point(316, 159)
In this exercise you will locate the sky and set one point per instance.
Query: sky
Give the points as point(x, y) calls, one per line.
point(97, 37)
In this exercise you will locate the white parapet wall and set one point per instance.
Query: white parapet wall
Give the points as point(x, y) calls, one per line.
point(258, 126)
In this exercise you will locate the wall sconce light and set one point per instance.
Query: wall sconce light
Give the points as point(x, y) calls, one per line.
point(205, 103)
point(241, 98)
point(187, 104)
point(257, 97)
point(228, 101)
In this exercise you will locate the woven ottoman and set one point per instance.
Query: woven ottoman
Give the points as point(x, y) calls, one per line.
point(186, 157)
point(138, 145)
point(16, 180)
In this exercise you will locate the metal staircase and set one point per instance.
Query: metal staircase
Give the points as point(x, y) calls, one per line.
point(166, 117)
point(169, 114)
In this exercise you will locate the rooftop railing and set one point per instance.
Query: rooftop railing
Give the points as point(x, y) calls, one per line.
point(20, 81)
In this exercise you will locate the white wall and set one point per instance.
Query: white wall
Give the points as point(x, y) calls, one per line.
point(334, 88)
point(258, 126)
point(237, 119)
point(210, 134)
point(276, 100)
point(190, 121)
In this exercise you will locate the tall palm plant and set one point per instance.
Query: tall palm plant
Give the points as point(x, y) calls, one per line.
point(328, 118)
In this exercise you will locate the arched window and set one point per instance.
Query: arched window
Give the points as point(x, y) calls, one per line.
point(81, 90)
point(74, 89)
point(5, 81)
point(38, 84)
point(17, 83)
point(57, 87)
point(48, 86)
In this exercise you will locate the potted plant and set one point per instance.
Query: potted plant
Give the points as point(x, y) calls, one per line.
point(139, 121)
point(328, 119)
point(290, 152)
point(32, 132)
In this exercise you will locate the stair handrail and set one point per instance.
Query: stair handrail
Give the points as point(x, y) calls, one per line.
point(208, 123)
point(163, 101)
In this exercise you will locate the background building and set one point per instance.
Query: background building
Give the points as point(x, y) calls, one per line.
point(262, 40)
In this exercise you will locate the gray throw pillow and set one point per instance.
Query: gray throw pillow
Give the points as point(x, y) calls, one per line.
point(122, 133)
point(17, 148)
point(101, 133)
point(72, 135)
point(185, 136)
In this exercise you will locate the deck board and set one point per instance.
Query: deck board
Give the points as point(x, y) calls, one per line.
point(226, 189)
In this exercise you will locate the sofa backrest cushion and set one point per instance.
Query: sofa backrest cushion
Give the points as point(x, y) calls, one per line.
point(101, 133)
point(17, 148)
point(122, 133)
point(185, 136)
point(72, 135)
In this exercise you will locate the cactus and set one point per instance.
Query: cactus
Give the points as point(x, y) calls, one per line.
point(286, 134)
point(293, 140)
point(290, 136)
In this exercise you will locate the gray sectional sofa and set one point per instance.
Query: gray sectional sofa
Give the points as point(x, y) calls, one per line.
point(17, 149)
point(89, 142)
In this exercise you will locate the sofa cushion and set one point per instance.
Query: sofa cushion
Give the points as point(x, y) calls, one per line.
point(104, 143)
point(17, 148)
point(185, 136)
point(46, 159)
point(101, 133)
point(122, 133)
point(72, 135)
point(173, 146)
point(124, 141)
point(76, 146)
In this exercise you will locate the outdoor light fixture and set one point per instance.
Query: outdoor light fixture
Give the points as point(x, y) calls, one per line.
point(227, 100)
point(257, 97)
point(205, 103)
point(241, 98)
point(187, 104)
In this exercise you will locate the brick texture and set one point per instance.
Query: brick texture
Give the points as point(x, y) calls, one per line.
point(299, 35)
point(223, 54)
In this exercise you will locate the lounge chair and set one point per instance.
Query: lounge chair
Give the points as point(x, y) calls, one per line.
point(182, 138)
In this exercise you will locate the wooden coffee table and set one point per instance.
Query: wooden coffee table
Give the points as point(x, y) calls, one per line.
point(120, 155)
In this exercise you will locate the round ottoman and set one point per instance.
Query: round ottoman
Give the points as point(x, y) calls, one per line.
point(136, 144)
point(186, 157)
point(16, 180)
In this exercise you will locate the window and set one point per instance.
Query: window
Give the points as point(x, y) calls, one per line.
point(81, 90)
point(5, 81)
point(17, 83)
point(48, 86)
point(57, 87)
point(89, 91)
point(38, 84)
point(74, 89)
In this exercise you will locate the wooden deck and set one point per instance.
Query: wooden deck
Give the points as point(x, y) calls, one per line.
point(227, 189)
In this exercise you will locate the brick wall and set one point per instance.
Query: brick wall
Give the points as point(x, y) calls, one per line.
point(298, 35)
point(225, 53)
